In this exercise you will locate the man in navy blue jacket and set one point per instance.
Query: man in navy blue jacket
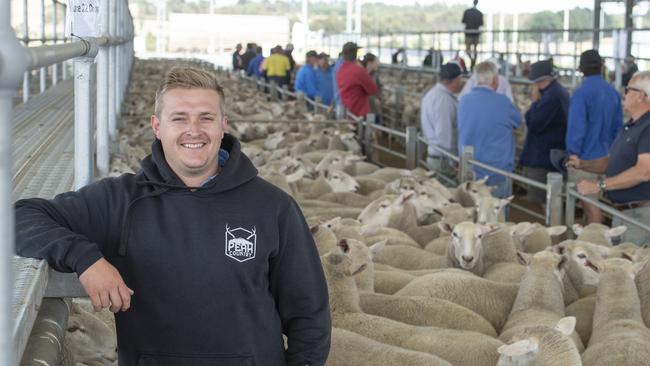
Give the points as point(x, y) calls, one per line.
point(546, 122)
point(203, 262)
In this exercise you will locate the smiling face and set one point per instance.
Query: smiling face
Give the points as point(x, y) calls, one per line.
point(190, 125)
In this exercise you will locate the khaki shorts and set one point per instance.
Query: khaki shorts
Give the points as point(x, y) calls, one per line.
point(534, 194)
point(577, 175)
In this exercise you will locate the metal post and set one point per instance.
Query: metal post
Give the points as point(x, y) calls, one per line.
point(596, 36)
point(43, 70)
point(112, 101)
point(367, 140)
point(629, 24)
point(570, 209)
point(465, 168)
point(554, 185)
point(13, 67)
point(399, 105)
point(103, 89)
point(411, 147)
point(55, 67)
point(27, 75)
point(118, 64)
point(83, 167)
point(302, 102)
point(274, 91)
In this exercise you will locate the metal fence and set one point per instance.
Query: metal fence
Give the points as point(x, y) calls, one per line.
point(98, 95)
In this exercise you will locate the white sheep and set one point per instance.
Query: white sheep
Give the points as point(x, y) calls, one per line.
point(539, 299)
point(598, 233)
point(542, 346)
point(350, 348)
point(89, 339)
point(619, 336)
point(491, 209)
point(533, 237)
point(406, 257)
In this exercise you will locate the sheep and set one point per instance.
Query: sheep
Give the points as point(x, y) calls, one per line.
point(406, 257)
point(539, 299)
point(89, 339)
point(419, 310)
point(397, 212)
point(619, 335)
point(331, 181)
point(507, 272)
point(324, 238)
point(349, 348)
point(349, 199)
point(465, 249)
point(368, 185)
point(583, 310)
point(535, 237)
point(598, 233)
point(491, 210)
point(374, 233)
point(362, 255)
point(328, 213)
point(491, 300)
point(580, 271)
point(542, 346)
point(477, 349)
point(389, 282)
point(467, 193)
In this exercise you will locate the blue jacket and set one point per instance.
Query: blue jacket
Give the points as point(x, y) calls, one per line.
point(325, 85)
point(486, 121)
point(306, 81)
point(546, 121)
point(337, 66)
point(595, 116)
point(254, 66)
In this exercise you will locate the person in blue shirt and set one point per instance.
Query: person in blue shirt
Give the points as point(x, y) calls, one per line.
point(324, 81)
point(486, 121)
point(546, 122)
point(595, 117)
point(306, 77)
point(254, 68)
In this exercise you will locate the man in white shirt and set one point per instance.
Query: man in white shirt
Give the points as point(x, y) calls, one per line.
point(438, 117)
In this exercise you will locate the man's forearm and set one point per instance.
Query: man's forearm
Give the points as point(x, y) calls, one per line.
point(598, 166)
point(627, 179)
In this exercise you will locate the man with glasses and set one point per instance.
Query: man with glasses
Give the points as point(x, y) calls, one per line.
point(627, 169)
point(595, 117)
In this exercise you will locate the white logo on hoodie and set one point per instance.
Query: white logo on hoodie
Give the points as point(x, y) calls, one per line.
point(240, 243)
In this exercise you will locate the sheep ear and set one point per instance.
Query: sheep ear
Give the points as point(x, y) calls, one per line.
point(628, 257)
point(296, 176)
point(522, 229)
point(559, 249)
point(437, 212)
point(430, 174)
point(524, 258)
point(406, 196)
point(519, 348)
point(444, 226)
point(577, 229)
point(483, 180)
point(314, 229)
point(343, 244)
point(375, 248)
point(556, 230)
point(566, 325)
point(505, 201)
point(616, 231)
point(326, 173)
point(561, 266)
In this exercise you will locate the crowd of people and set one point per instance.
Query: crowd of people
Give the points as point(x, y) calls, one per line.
point(582, 136)
point(347, 82)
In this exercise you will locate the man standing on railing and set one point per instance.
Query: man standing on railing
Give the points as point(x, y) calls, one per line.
point(546, 122)
point(438, 117)
point(221, 262)
point(627, 169)
point(595, 117)
point(473, 19)
point(486, 121)
point(354, 82)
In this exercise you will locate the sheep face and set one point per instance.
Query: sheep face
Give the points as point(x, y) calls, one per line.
point(490, 209)
point(467, 245)
point(91, 341)
point(274, 140)
point(379, 211)
point(340, 181)
point(584, 258)
point(348, 139)
point(599, 230)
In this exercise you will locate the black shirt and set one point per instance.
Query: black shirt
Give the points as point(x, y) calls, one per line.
point(633, 139)
point(472, 18)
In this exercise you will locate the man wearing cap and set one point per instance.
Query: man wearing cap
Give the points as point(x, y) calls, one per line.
point(438, 117)
point(503, 86)
point(306, 77)
point(354, 83)
point(595, 116)
point(486, 121)
point(324, 79)
point(546, 122)
point(627, 169)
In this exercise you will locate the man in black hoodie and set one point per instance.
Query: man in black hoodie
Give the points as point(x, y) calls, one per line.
point(203, 262)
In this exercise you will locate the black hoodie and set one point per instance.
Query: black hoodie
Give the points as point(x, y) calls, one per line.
point(219, 273)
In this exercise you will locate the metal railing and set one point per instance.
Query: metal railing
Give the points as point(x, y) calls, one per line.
point(95, 114)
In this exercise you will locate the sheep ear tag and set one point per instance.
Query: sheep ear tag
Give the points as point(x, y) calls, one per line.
point(240, 243)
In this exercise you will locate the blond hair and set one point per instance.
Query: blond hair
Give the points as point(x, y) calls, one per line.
point(642, 79)
point(188, 78)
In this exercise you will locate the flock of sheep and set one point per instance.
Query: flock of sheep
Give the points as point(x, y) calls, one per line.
point(418, 273)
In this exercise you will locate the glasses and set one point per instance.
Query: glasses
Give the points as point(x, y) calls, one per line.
point(628, 88)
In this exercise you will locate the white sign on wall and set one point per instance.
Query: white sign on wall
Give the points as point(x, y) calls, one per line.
point(82, 18)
